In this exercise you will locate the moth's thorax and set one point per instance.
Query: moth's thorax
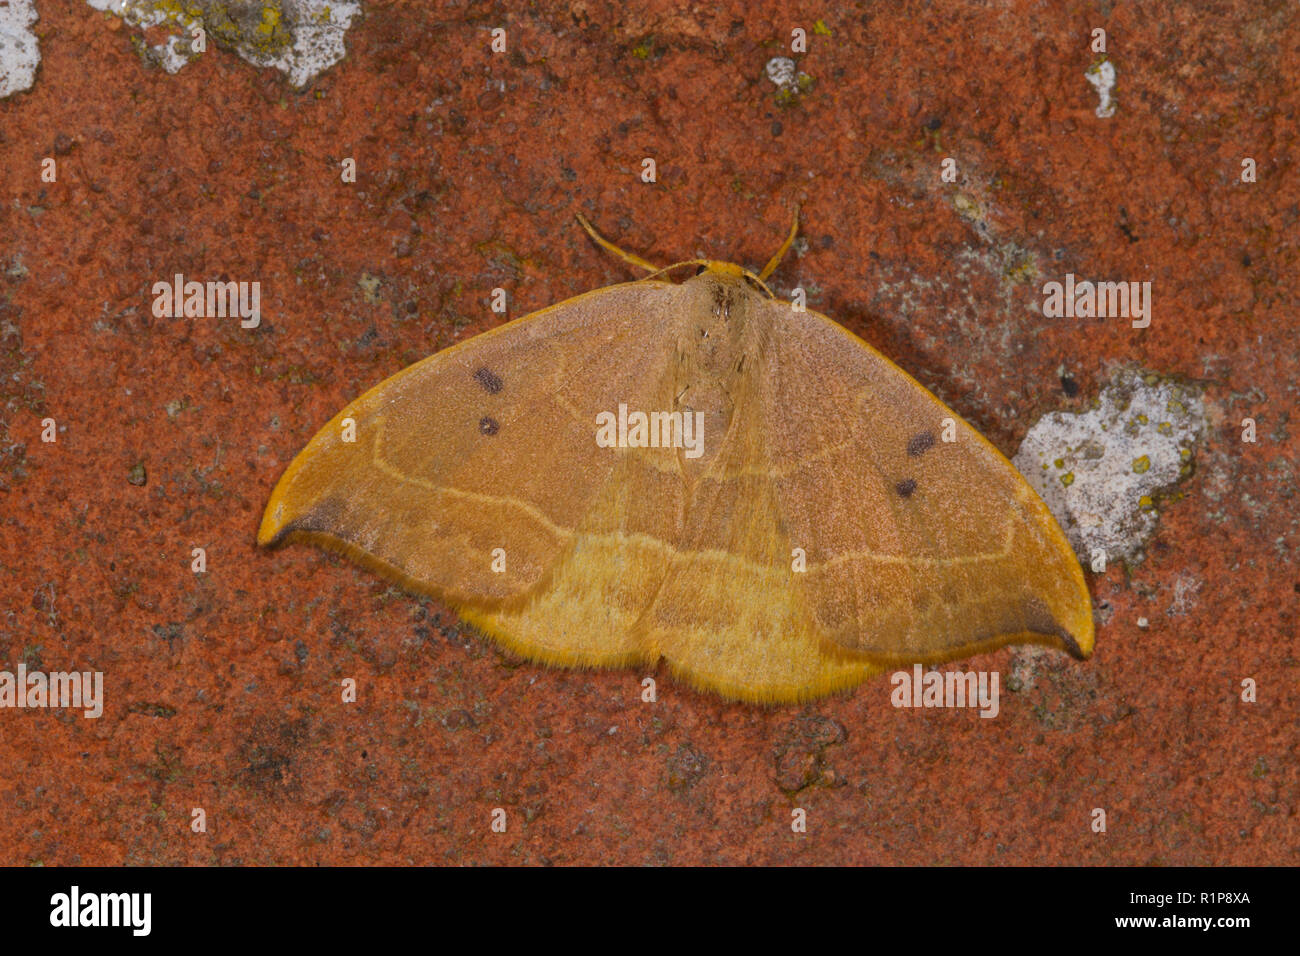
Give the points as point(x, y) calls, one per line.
point(718, 319)
point(719, 342)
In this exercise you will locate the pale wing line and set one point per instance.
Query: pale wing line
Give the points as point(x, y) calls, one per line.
point(1003, 552)
point(712, 554)
point(377, 460)
point(640, 454)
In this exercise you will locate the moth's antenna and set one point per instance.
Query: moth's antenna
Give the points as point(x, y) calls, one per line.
point(785, 247)
point(615, 250)
point(678, 265)
point(655, 270)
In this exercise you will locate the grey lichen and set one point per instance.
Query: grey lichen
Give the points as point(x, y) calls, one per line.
point(1104, 472)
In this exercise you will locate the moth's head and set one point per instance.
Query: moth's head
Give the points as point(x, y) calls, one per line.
point(715, 272)
point(718, 274)
point(722, 269)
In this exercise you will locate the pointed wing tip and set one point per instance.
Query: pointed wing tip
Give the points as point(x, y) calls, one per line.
point(1075, 623)
point(1077, 633)
point(271, 530)
point(294, 509)
point(276, 525)
point(1079, 649)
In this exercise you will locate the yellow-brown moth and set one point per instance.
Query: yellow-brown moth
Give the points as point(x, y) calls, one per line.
point(696, 473)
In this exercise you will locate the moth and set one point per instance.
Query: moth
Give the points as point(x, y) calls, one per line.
point(826, 519)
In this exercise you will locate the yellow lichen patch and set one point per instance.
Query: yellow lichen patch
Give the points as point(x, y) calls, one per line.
point(262, 29)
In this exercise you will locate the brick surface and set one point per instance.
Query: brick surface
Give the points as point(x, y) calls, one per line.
point(223, 688)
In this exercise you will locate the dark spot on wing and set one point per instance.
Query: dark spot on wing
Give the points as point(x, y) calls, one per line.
point(920, 444)
point(489, 379)
point(488, 425)
point(905, 487)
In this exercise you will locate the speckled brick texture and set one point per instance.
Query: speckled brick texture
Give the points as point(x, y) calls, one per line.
point(223, 688)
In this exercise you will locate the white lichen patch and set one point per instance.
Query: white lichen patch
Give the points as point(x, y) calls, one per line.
point(781, 71)
point(788, 79)
point(1184, 594)
point(19, 54)
point(1102, 77)
point(300, 38)
point(1104, 472)
point(174, 52)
